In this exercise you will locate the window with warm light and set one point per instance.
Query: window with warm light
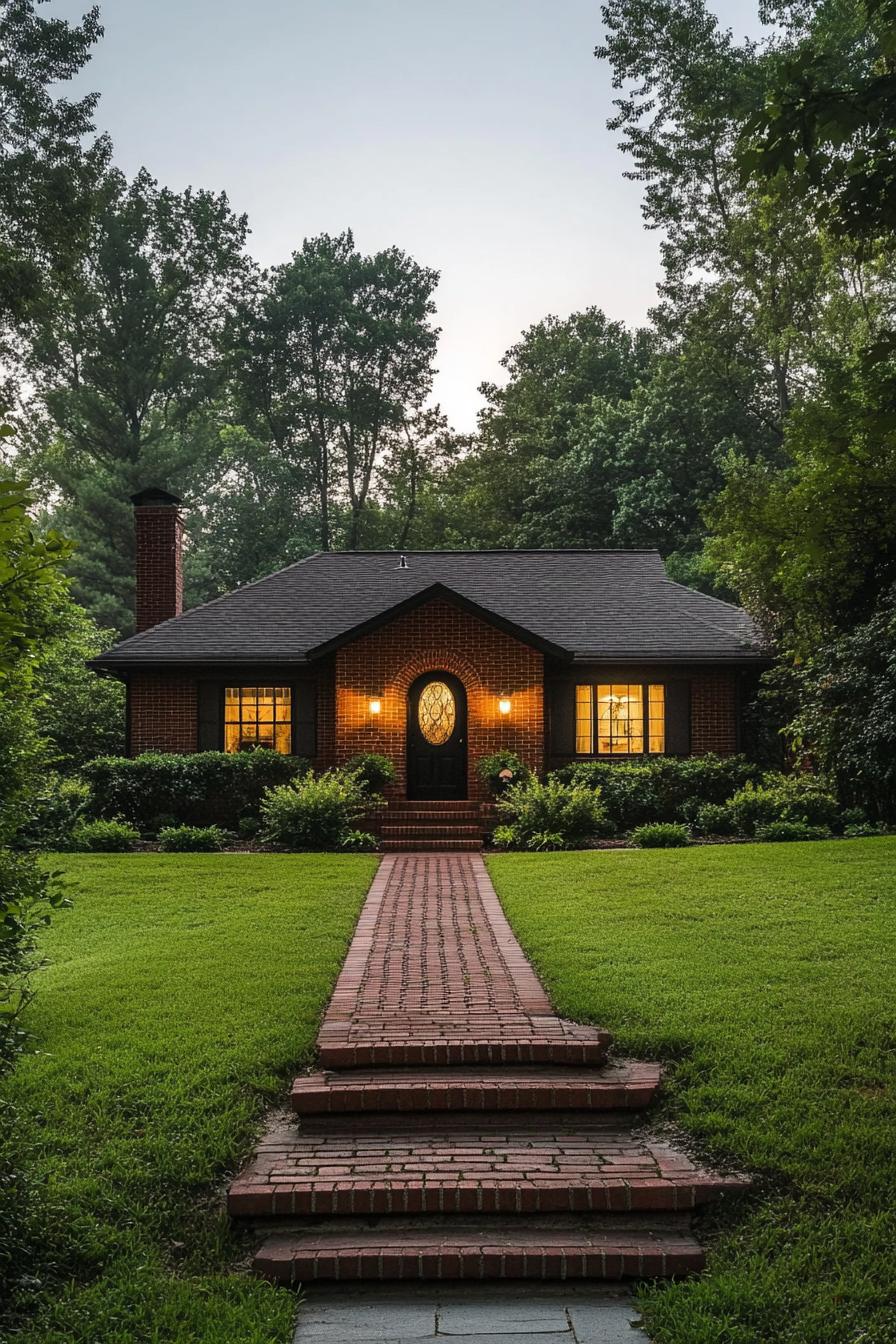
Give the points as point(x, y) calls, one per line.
point(619, 718)
point(258, 716)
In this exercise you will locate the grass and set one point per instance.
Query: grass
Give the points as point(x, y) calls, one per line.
point(182, 991)
point(767, 973)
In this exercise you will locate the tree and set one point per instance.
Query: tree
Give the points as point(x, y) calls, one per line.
point(30, 583)
point(419, 455)
point(331, 356)
point(48, 169)
point(251, 520)
point(829, 119)
point(640, 470)
point(530, 423)
point(125, 362)
point(687, 91)
point(77, 714)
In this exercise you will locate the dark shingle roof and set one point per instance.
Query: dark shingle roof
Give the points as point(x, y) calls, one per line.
point(586, 605)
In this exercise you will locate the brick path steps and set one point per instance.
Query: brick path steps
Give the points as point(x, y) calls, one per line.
point(487, 1248)
point(576, 1046)
point(476, 1134)
point(457, 1163)
point(619, 1086)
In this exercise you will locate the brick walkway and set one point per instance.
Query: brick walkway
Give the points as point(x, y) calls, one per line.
point(449, 1089)
point(434, 975)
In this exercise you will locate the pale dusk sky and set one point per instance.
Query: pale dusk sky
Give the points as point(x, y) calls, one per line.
point(470, 134)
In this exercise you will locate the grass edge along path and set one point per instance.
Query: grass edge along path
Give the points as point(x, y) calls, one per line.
point(182, 993)
point(767, 974)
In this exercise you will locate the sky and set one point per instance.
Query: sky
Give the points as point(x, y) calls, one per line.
point(470, 133)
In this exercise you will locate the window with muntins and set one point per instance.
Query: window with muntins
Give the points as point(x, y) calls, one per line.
point(620, 719)
point(258, 716)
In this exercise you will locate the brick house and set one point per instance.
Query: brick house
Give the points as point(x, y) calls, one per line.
point(434, 659)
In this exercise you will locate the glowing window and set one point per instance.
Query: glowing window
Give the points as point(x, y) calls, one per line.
point(620, 720)
point(436, 713)
point(656, 717)
point(611, 719)
point(584, 720)
point(258, 716)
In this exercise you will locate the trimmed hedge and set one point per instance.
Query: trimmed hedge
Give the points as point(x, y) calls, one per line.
point(668, 788)
point(207, 788)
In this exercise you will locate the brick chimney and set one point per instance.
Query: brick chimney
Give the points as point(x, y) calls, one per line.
point(160, 580)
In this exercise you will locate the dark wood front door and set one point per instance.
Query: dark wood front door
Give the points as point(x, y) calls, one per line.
point(437, 737)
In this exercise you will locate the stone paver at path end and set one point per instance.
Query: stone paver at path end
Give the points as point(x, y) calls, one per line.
point(468, 1314)
point(457, 1128)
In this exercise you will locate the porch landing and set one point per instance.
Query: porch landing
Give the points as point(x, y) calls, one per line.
point(458, 1128)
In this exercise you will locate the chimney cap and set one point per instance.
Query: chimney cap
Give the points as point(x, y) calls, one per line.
point(153, 495)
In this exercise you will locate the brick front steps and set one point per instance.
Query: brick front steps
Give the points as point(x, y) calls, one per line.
point(485, 1248)
point(432, 827)
point(618, 1086)
point(477, 1134)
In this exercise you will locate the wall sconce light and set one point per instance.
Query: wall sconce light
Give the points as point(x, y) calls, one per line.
point(504, 705)
point(376, 706)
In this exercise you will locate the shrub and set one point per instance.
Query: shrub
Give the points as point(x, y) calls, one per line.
point(493, 771)
point(359, 842)
point(315, 811)
point(803, 798)
point(503, 837)
point(192, 839)
point(665, 788)
point(103, 837)
point(715, 819)
point(792, 830)
point(53, 812)
point(206, 788)
point(864, 829)
point(661, 835)
point(628, 792)
point(374, 771)
point(566, 813)
point(248, 827)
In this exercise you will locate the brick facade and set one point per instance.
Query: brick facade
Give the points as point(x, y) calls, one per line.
point(162, 713)
point(160, 583)
point(714, 713)
point(383, 665)
point(440, 637)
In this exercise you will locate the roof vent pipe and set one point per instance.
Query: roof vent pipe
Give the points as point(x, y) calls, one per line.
point(403, 562)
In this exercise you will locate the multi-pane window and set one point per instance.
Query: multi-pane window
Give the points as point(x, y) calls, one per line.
point(258, 716)
point(617, 719)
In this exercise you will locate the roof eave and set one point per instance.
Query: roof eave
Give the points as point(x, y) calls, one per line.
point(746, 658)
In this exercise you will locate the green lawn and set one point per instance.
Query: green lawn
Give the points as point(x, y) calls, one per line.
point(182, 992)
point(767, 973)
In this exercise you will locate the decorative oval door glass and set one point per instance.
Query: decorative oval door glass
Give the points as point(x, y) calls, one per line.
point(436, 712)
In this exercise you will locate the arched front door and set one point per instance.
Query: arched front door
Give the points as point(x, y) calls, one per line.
point(437, 737)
